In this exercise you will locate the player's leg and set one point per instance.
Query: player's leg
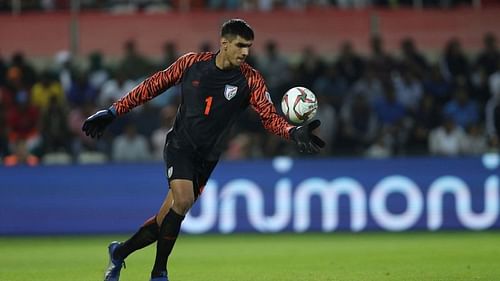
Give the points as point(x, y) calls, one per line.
point(165, 207)
point(146, 235)
point(183, 196)
point(187, 175)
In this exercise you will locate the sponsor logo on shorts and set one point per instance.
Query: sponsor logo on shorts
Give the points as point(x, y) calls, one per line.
point(170, 171)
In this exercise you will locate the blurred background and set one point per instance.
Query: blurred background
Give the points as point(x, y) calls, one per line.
point(391, 76)
point(405, 87)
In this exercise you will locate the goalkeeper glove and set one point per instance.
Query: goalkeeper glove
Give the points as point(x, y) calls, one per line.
point(305, 139)
point(95, 125)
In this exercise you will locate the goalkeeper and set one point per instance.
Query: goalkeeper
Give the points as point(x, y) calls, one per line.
point(216, 88)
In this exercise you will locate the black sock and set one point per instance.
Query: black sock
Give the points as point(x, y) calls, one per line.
point(169, 231)
point(146, 235)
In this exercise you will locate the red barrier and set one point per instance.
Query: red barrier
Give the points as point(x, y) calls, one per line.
point(42, 35)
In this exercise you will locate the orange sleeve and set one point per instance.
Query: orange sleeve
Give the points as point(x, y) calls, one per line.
point(261, 102)
point(157, 83)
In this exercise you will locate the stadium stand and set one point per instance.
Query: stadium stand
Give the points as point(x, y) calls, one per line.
point(382, 92)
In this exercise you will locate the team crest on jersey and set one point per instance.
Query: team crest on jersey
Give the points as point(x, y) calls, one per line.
point(230, 91)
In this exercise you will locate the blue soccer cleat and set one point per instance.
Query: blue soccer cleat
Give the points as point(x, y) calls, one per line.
point(163, 277)
point(115, 265)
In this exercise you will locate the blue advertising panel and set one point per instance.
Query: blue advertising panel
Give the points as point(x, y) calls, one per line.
point(276, 195)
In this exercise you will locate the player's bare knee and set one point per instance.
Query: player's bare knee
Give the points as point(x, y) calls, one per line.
point(183, 195)
point(183, 204)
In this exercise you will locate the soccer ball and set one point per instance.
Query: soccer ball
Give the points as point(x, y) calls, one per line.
point(299, 105)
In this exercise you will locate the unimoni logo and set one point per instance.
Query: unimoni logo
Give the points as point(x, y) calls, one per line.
point(292, 206)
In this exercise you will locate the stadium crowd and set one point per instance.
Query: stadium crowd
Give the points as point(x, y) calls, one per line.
point(376, 105)
point(125, 6)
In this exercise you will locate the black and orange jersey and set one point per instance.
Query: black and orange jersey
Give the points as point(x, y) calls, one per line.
point(211, 101)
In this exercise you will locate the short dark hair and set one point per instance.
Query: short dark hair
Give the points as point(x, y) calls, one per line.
point(235, 27)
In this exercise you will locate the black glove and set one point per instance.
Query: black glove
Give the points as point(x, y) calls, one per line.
point(95, 125)
point(305, 139)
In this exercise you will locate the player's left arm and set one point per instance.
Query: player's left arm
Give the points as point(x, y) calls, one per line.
point(261, 102)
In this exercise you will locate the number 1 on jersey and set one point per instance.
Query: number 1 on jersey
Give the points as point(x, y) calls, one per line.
point(208, 100)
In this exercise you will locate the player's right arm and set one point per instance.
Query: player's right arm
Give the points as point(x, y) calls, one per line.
point(156, 84)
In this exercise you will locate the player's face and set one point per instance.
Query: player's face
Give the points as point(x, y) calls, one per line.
point(237, 50)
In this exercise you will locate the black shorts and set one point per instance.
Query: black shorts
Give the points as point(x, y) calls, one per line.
point(185, 163)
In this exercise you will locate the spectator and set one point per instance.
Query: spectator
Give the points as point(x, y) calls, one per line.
point(454, 62)
point(81, 91)
point(80, 142)
point(170, 55)
point(381, 148)
point(259, 5)
point(3, 71)
point(45, 90)
point(327, 114)
point(331, 87)
point(215, 4)
point(275, 70)
point(115, 88)
point(489, 57)
point(381, 63)
point(167, 116)
point(22, 121)
point(344, 4)
point(310, 66)
point(389, 110)
point(369, 86)
point(97, 73)
point(239, 147)
point(493, 110)
point(21, 156)
point(479, 87)
point(461, 109)
point(4, 139)
point(55, 131)
point(393, 117)
point(146, 119)
point(206, 46)
point(14, 83)
point(130, 146)
point(359, 124)
point(447, 140)
point(349, 63)
point(6, 97)
point(408, 89)
point(412, 57)
point(427, 118)
point(475, 142)
point(27, 72)
point(6, 102)
point(134, 65)
point(65, 69)
point(494, 82)
point(48, 5)
point(437, 86)
point(295, 4)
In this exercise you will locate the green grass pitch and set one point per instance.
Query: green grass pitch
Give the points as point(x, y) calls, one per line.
point(418, 256)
